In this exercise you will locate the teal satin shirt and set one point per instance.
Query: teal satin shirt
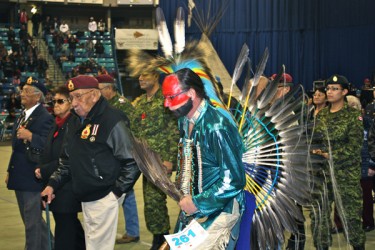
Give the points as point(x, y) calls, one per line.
point(218, 177)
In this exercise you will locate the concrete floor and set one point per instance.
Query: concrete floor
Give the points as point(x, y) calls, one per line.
point(12, 229)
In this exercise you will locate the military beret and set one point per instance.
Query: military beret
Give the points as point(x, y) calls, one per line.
point(105, 78)
point(338, 79)
point(31, 81)
point(82, 82)
point(285, 78)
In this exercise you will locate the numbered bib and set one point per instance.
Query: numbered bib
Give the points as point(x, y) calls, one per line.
point(192, 236)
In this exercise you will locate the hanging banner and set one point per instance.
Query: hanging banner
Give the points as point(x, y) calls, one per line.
point(136, 39)
point(86, 1)
point(137, 2)
point(53, 1)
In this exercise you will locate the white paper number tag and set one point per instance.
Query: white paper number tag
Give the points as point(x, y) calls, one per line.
point(189, 238)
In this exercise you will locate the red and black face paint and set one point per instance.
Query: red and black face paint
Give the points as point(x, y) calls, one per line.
point(172, 92)
point(175, 96)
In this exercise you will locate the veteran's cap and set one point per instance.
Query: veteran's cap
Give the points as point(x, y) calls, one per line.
point(82, 82)
point(285, 78)
point(105, 78)
point(31, 81)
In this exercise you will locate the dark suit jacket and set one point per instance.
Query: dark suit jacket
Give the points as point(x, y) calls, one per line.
point(65, 201)
point(21, 170)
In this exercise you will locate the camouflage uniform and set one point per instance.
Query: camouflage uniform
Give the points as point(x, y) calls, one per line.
point(158, 127)
point(345, 132)
point(124, 105)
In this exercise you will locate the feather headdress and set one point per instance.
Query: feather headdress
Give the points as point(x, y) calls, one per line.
point(190, 55)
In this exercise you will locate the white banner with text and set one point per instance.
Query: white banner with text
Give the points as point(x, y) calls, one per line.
point(136, 39)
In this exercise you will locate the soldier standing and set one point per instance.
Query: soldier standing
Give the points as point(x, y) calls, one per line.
point(158, 127)
point(108, 89)
point(341, 130)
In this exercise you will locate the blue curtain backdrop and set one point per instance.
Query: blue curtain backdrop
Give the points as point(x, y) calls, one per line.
point(314, 39)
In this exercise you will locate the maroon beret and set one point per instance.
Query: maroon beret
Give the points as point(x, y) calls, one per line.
point(82, 82)
point(105, 78)
point(285, 78)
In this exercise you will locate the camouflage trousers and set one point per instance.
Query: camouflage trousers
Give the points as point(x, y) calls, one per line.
point(351, 199)
point(155, 208)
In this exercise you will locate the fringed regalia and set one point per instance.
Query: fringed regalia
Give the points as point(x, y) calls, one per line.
point(264, 147)
point(210, 166)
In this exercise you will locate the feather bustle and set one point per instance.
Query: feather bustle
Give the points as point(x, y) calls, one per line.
point(151, 166)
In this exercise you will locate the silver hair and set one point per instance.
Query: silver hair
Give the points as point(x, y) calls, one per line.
point(42, 97)
point(354, 102)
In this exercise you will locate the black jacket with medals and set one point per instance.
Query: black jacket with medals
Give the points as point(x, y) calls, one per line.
point(97, 154)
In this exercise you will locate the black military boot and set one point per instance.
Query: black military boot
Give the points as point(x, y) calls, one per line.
point(157, 241)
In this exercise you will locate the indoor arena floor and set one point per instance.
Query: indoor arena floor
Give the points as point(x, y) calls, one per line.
point(12, 230)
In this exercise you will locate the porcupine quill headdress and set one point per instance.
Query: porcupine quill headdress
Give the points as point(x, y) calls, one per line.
point(276, 157)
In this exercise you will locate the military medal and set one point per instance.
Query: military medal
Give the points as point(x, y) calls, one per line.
point(86, 132)
point(95, 129)
point(94, 132)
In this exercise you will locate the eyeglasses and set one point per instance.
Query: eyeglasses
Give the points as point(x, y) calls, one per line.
point(105, 87)
point(79, 96)
point(333, 88)
point(28, 91)
point(171, 97)
point(60, 101)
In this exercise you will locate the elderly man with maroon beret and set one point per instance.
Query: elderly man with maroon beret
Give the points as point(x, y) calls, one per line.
point(97, 157)
point(109, 91)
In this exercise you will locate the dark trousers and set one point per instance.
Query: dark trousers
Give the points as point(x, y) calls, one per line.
point(68, 232)
point(368, 205)
point(35, 29)
point(36, 231)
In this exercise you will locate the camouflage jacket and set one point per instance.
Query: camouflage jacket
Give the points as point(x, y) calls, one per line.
point(124, 105)
point(156, 125)
point(342, 131)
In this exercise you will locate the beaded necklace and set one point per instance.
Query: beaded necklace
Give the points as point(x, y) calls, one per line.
point(190, 156)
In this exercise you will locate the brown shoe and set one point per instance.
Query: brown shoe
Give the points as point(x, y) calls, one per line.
point(127, 239)
point(164, 246)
